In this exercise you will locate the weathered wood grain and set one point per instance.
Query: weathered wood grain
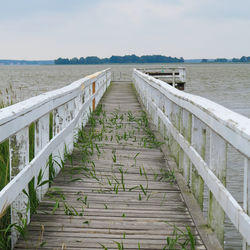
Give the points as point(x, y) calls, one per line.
point(145, 207)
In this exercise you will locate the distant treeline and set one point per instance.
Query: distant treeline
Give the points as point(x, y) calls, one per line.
point(243, 59)
point(26, 62)
point(120, 59)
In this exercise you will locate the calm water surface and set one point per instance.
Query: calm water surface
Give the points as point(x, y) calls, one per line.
point(226, 84)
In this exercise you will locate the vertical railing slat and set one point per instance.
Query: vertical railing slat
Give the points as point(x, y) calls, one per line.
point(175, 120)
point(246, 194)
point(41, 139)
point(70, 114)
point(162, 108)
point(195, 131)
point(93, 92)
point(19, 158)
point(59, 118)
point(20, 146)
point(186, 131)
point(218, 164)
point(198, 141)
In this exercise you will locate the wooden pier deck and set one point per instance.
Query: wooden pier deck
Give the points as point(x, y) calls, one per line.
point(116, 189)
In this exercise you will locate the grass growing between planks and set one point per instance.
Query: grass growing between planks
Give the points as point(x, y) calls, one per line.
point(4, 180)
point(4, 175)
point(33, 202)
point(104, 127)
point(180, 239)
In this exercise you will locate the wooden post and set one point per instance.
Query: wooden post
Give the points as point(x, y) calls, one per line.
point(169, 110)
point(58, 125)
point(198, 141)
point(246, 194)
point(79, 101)
point(70, 109)
point(89, 110)
point(154, 116)
point(93, 92)
point(41, 139)
point(186, 131)
point(175, 120)
point(218, 164)
point(162, 108)
point(19, 158)
point(173, 83)
point(77, 105)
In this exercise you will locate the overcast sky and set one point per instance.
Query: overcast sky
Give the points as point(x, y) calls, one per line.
point(48, 29)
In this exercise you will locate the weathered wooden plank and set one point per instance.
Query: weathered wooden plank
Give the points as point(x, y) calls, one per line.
point(234, 211)
point(9, 193)
point(105, 217)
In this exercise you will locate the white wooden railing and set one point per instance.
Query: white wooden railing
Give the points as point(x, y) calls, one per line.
point(172, 75)
point(198, 131)
point(70, 107)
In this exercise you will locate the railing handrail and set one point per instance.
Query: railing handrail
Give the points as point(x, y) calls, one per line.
point(225, 126)
point(60, 112)
point(12, 117)
point(171, 68)
point(222, 120)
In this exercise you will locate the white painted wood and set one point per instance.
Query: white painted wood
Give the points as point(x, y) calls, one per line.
point(186, 131)
point(59, 122)
point(9, 193)
point(68, 105)
point(246, 190)
point(246, 194)
point(22, 114)
point(70, 114)
point(41, 139)
point(198, 141)
point(175, 120)
point(233, 127)
point(19, 158)
point(234, 211)
point(223, 124)
point(218, 164)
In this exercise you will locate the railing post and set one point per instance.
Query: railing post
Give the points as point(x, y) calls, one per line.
point(173, 83)
point(218, 164)
point(186, 131)
point(58, 125)
point(246, 194)
point(154, 108)
point(162, 108)
point(19, 158)
point(198, 141)
point(79, 101)
point(93, 92)
point(41, 139)
point(175, 117)
point(70, 109)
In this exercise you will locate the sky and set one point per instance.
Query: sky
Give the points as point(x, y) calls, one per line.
point(48, 29)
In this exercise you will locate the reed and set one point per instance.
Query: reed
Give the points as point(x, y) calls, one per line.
point(5, 221)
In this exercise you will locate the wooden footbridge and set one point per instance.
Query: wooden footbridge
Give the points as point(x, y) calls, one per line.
point(128, 173)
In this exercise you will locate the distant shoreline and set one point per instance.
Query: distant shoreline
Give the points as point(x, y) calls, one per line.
point(26, 62)
point(51, 62)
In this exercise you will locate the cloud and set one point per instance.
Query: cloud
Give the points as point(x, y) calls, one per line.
point(188, 28)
